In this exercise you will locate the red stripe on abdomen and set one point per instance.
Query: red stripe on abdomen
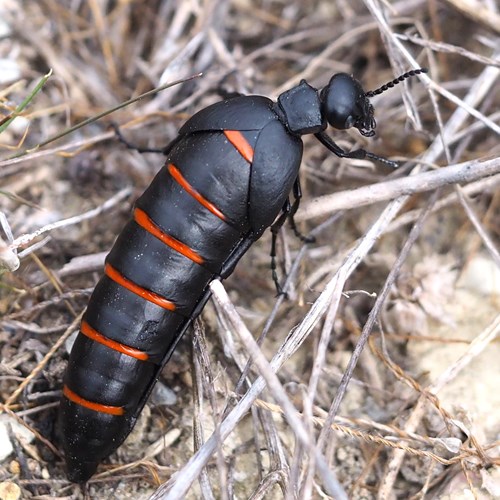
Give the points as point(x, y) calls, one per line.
point(179, 178)
point(93, 334)
point(143, 219)
point(113, 274)
point(91, 405)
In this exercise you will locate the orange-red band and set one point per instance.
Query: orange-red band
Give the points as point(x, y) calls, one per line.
point(113, 274)
point(145, 222)
point(75, 398)
point(237, 139)
point(176, 174)
point(89, 332)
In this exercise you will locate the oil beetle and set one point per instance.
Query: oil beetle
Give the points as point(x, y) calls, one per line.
point(227, 177)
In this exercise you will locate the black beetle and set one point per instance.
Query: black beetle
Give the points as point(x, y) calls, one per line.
point(227, 177)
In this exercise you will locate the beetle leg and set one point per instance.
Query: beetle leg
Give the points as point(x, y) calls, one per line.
point(129, 145)
point(297, 195)
point(358, 154)
point(223, 91)
point(227, 94)
point(274, 231)
point(233, 259)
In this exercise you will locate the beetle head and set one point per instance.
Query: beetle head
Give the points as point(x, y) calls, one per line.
point(344, 104)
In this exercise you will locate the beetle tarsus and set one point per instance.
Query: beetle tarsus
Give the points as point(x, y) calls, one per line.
point(129, 145)
point(297, 194)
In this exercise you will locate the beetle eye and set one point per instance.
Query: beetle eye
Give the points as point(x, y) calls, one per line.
point(350, 121)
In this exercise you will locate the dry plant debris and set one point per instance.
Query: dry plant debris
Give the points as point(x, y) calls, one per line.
point(378, 376)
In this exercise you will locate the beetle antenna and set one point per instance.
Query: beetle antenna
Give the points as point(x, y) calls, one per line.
point(397, 80)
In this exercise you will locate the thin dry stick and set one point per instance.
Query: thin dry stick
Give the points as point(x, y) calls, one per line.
point(275, 387)
point(276, 454)
point(16, 163)
point(164, 442)
point(265, 486)
point(383, 191)
point(373, 316)
point(486, 79)
point(402, 376)
point(370, 438)
point(317, 370)
point(102, 34)
point(475, 348)
point(202, 358)
point(181, 482)
point(478, 12)
point(278, 465)
point(303, 466)
point(33, 310)
point(199, 358)
point(484, 185)
point(485, 237)
point(473, 98)
point(83, 264)
point(450, 49)
point(17, 418)
point(291, 276)
point(278, 462)
point(325, 55)
point(33, 248)
point(451, 444)
point(24, 239)
point(480, 89)
point(71, 328)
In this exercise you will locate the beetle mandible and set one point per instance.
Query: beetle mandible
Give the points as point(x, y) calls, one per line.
point(227, 177)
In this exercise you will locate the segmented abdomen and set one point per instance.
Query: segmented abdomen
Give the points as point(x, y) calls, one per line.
point(184, 227)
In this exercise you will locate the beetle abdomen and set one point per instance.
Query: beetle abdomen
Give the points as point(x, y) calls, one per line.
point(185, 226)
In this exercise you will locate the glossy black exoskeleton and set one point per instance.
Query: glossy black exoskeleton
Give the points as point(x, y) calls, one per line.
point(227, 177)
